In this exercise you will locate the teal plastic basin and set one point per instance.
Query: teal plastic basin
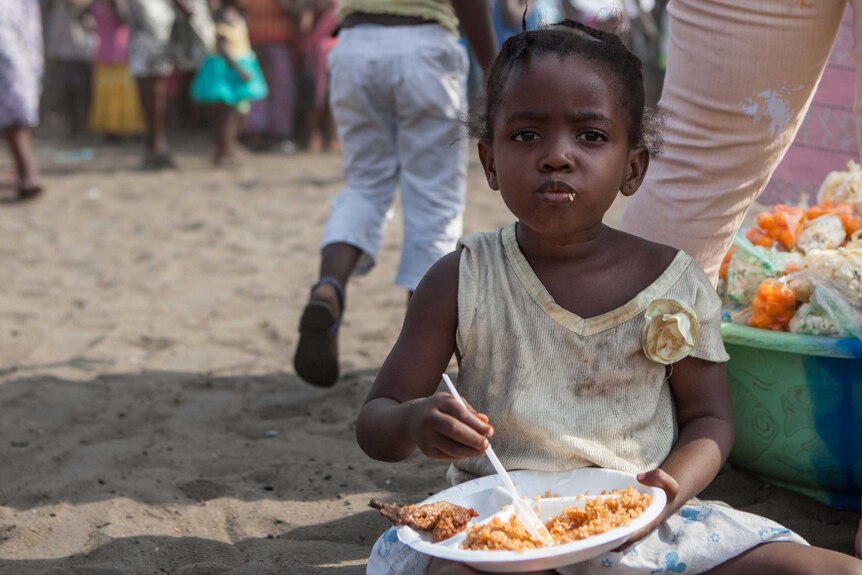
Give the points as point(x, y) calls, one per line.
point(798, 404)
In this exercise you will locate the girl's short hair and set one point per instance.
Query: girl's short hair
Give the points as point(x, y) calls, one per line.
point(571, 38)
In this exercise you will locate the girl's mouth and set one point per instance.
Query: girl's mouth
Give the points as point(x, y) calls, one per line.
point(556, 191)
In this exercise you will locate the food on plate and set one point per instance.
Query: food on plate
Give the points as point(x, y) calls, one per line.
point(500, 535)
point(442, 519)
point(599, 514)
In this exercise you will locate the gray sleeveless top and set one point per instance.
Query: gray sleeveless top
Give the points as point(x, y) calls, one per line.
point(562, 391)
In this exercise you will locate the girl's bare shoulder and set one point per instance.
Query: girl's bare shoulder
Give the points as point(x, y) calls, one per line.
point(646, 258)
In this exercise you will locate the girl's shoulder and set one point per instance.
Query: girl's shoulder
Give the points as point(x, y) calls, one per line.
point(645, 259)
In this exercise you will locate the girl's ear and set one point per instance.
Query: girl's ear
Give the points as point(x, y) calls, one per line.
point(486, 156)
point(635, 171)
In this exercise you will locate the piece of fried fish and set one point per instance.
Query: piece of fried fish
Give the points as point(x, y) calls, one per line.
point(442, 519)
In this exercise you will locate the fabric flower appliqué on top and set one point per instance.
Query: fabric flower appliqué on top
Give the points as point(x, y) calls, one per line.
point(670, 332)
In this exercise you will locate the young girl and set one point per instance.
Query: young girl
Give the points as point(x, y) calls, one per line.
point(231, 78)
point(578, 345)
point(116, 108)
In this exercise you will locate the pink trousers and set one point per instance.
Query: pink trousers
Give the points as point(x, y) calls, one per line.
point(741, 75)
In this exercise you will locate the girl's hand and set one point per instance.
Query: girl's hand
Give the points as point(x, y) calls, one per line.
point(655, 478)
point(442, 428)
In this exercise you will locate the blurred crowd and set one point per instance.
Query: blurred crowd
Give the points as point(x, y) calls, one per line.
point(253, 70)
point(87, 50)
point(96, 49)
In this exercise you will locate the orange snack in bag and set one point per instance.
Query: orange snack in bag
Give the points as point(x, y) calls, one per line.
point(722, 271)
point(782, 223)
point(773, 306)
point(846, 213)
point(759, 238)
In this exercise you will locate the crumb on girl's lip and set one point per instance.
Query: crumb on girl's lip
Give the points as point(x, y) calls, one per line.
point(556, 191)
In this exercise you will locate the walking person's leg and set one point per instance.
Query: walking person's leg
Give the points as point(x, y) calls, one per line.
point(80, 78)
point(432, 148)
point(364, 114)
point(221, 136)
point(154, 99)
point(21, 145)
point(740, 78)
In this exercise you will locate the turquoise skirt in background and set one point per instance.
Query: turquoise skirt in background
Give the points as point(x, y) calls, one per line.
point(217, 83)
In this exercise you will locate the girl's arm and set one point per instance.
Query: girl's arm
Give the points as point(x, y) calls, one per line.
point(402, 411)
point(706, 428)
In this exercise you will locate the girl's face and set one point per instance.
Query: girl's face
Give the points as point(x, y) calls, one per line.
point(559, 130)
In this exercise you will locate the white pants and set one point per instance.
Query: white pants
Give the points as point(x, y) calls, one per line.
point(740, 77)
point(398, 95)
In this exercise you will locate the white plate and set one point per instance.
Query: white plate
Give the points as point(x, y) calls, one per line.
point(488, 497)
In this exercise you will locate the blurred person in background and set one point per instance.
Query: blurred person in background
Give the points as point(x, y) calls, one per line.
point(21, 65)
point(273, 34)
point(166, 35)
point(317, 28)
point(229, 78)
point(510, 15)
point(70, 44)
point(735, 96)
point(398, 93)
point(116, 107)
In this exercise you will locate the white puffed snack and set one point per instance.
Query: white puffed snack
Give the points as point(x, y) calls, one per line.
point(823, 233)
point(841, 187)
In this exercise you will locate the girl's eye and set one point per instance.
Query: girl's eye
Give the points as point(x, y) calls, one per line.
point(525, 136)
point(592, 136)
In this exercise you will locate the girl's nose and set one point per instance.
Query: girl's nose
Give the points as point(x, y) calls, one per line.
point(557, 158)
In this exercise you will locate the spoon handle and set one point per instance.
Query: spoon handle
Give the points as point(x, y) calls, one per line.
point(495, 461)
point(524, 512)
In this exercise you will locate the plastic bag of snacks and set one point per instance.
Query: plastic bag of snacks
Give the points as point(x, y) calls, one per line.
point(783, 224)
point(800, 269)
point(842, 266)
point(832, 311)
point(850, 218)
point(773, 306)
point(824, 233)
point(843, 187)
point(749, 265)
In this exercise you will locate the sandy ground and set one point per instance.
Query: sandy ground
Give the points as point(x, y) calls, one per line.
point(151, 420)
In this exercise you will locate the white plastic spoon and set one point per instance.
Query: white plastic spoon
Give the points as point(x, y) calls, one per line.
point(525, 514)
